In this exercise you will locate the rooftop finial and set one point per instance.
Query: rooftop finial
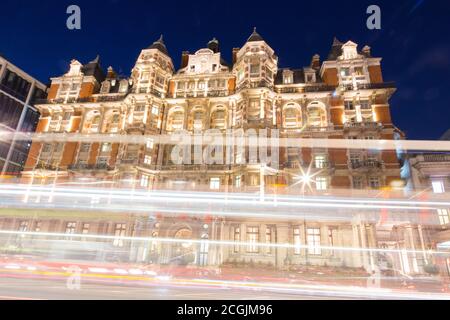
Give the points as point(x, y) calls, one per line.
point(161, 39)
point(96, 60)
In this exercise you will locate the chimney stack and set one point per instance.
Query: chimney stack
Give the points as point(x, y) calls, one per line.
point(366, 51)
point(315, 62)
point(235, 51)
point(184, 59)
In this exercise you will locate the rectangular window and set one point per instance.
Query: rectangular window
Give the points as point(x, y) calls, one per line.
point(444, 216)
point(438, 186)
point(38, 226)
point(23, 227)
point(320, 161)
point(269, 239)
point(254, 69)
point(331, 237)
point(374, 182)
point(252, 239)
point(47, 148)
point(321, 183)
point(155, 110)
point(357, 183)
point(147, 160)
point(236, 238)
point(214, 183)
point(71, 227)
point(297, 241)
point(313, 239)
point(237, 181)
point(149, 144)
point(85, 147)
point(348, 105)
point(345, 72)
point(119, 232)
point(139, 108)
point(85, 229)
point(365, 105)
point(145, 181)
point(106, 147)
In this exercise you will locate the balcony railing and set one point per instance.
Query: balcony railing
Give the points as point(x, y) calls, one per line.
point(363, 125)
point(84, 166)
point(92, 99)
point(436, 158)
point(366, 164)
point(369, 86)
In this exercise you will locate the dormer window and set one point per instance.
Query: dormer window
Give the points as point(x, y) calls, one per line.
point(192, 69)
point(214, 67)
point(349, 50)
point(123, 87)
point(106, 86)
point(310, 78)
point(288, 78)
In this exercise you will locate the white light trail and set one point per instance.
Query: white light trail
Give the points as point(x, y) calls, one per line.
point(405, 145)
point(217, 242)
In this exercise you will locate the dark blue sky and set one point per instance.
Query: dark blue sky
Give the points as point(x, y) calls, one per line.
point(414, 40)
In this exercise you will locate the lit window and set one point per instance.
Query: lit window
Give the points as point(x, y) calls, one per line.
point(85, 229)
point(119, 232)
point(214, 183)
point(23, 227)
point(297, 241)
point(38, 226)
point(147, 159)
point(320, 161)
point(144, 181)
point(71, 227)
point(155, 110)
point(313, 239)
point(237, 181)
point(150, 144)
point(252, 239)
point(438, 186)
point(444, 216)
point(106, 147)
point(321, 183)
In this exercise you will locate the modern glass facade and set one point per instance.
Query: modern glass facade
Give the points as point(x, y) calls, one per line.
point(18, 93)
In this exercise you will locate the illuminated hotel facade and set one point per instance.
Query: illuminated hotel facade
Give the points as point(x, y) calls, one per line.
point(341, 97)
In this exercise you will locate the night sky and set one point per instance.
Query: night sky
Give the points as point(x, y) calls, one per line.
point(414, 41)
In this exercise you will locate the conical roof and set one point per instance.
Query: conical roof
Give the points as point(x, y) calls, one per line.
point(159, 45)
point(255, 36)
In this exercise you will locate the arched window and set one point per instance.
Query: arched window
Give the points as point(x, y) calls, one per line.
point(106, 87)
point(92, 124)
point(176, 120)
point(218, 118)
point(292, 116)
point(317, 116)
point(197, 119)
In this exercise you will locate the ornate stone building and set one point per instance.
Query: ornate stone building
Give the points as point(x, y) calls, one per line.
point(342, 97)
